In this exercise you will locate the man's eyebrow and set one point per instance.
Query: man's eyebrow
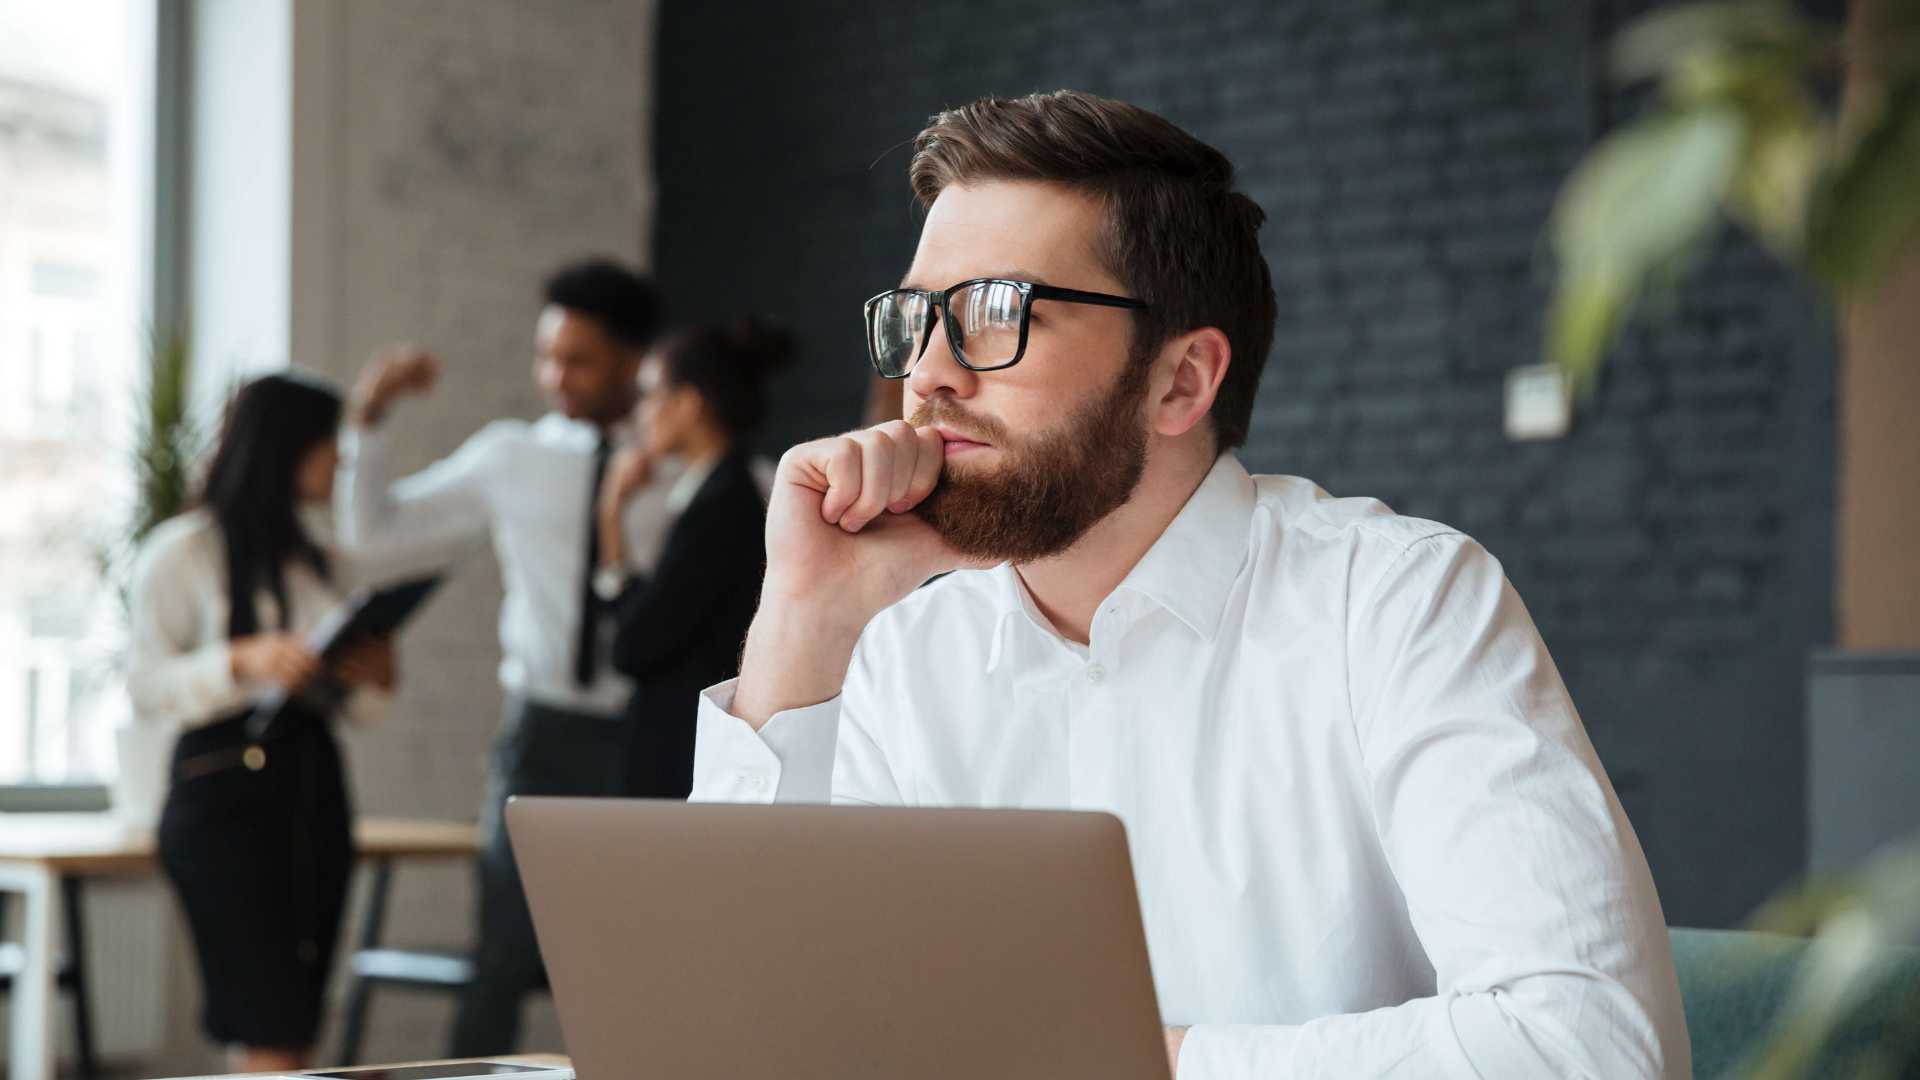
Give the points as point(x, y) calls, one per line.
point(1015, 274)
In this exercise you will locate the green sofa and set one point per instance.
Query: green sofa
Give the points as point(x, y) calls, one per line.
point(1734, 982)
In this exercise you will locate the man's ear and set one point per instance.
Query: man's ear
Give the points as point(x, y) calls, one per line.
point(1187, 377)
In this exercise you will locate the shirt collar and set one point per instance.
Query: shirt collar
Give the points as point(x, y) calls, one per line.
point(585, 433)
point(1189, 570)
point(689, 484)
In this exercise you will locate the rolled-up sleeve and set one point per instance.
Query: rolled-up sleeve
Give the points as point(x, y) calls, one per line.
point(1522, 876)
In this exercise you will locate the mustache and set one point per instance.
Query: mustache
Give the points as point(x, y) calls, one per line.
point(943, 411)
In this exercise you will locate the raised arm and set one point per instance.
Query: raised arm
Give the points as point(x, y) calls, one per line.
point(380, 519)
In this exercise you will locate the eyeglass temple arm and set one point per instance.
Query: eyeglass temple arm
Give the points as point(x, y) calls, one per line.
point(1053, 292)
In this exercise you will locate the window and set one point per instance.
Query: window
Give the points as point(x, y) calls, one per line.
point(76, 108)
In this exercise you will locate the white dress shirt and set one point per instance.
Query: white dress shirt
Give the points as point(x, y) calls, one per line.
point(179, 673)
point(528, 486)
point(1370, 835)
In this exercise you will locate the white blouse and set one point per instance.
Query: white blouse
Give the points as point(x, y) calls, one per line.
point(180, 674)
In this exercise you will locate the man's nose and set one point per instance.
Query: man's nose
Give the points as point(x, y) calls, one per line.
point(938, 370)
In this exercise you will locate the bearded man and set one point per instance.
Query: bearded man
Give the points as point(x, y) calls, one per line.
point(1370, 834)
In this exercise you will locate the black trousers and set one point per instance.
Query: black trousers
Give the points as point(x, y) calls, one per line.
point(257, 841)
point(540, 751)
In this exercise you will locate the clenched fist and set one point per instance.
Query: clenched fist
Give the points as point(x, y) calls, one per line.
point(396, 371)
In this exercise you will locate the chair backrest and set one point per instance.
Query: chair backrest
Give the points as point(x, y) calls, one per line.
point(1733, 984)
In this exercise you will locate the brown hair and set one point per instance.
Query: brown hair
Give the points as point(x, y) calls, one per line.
point(1177, 235)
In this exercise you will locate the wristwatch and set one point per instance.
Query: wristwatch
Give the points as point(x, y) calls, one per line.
point(609, 582)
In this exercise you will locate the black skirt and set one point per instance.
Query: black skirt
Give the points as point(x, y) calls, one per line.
point(257, 839)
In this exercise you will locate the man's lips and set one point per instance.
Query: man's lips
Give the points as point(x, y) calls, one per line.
point(957, 443)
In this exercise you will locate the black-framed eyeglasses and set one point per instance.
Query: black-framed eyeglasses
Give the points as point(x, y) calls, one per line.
point(986, 321)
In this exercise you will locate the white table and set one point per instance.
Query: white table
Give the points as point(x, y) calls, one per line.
point(45, 855)
point(554, 1060)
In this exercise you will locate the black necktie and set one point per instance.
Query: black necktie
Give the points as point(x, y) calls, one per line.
point(586, 648)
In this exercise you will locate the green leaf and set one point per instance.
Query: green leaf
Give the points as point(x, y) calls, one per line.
point(1856, 922)
point(1654, 44)
point(1772, 189)
point(1583, 318)
point(167, 440)
point(1640, 206)
point(1867, 206)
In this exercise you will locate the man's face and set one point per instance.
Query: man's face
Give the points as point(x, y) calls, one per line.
point(1037, 453)
point(584, 373)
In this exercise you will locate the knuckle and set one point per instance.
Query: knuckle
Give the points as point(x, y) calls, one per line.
point(843, 452)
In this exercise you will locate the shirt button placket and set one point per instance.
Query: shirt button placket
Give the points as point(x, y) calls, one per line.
point(1090, 705)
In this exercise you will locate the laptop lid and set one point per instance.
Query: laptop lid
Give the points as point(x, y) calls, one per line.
point(693, 940)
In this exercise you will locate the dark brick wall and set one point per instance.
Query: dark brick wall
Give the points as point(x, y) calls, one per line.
point(1675, 549)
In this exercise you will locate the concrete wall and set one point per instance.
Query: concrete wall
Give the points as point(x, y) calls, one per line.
point(447, 154)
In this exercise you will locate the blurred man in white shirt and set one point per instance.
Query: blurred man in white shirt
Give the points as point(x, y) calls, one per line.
point(532, 488)
point(1371, 836)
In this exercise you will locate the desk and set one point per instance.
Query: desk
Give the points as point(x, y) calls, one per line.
point(518, 1059)
point(45, 854)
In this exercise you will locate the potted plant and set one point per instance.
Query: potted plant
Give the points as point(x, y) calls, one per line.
point(1744, 130)
point(165, 446)
point(1807, 136)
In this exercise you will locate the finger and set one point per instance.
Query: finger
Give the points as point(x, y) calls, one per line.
point(838, 460)
point(287, 673)
point(904, 440)
point(302, 660)
point(304, 667)
point(426, 370)
point(876, 479)
point(930, 457)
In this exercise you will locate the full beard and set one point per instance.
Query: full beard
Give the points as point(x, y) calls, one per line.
point(1052, 488)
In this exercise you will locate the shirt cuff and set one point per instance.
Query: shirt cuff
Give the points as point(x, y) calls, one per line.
point(1233, 1051)
point(790, 759)
point(368, 707)
point(212, 691)
point(358, 441)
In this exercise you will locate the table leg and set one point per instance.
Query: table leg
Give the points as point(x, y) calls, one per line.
point(360, 990)
point(31, 1055)
point(73, 894)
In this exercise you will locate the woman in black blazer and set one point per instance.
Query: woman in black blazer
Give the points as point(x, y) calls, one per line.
point(680, 627)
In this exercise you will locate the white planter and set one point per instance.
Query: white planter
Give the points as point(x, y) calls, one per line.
point(140, 788)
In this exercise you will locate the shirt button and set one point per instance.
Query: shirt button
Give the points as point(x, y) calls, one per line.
point(1096, 674)
point(753, 781)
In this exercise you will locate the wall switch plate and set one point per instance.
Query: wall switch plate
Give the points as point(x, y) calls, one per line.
point(1539, 403)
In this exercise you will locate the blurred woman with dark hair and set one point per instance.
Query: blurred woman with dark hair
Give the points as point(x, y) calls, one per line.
point(256, 833)
point(702, 395)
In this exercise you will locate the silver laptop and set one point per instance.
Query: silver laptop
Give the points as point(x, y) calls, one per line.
point(806, 942)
